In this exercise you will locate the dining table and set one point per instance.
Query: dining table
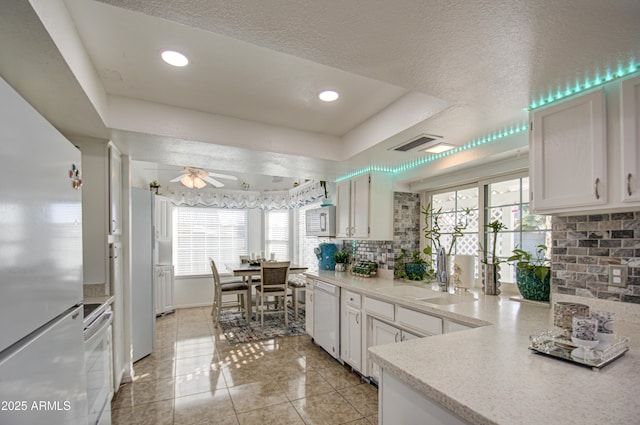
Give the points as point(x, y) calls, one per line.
point(249, 270)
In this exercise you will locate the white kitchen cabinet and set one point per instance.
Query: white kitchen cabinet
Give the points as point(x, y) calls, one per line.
point(351, 330)
point(115, 191)
point(164, 289)
point(364, 207)
point(630, 127)
point(568, 154)
point(163, 218)
point(402, 405)
point(308, 305)
point(381, 333)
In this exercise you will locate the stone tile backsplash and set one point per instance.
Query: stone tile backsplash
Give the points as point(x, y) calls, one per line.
point(584, 246)
point(406, 233)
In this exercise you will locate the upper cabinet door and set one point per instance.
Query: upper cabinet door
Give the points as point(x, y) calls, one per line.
point(568, 154)
point(631, 139)
point(360, 206)
point(115, 191)
point(343, 209)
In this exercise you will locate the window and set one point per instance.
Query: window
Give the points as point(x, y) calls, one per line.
point(277, 234)
point(202, 232)
point(453, 206)
point(508, 201)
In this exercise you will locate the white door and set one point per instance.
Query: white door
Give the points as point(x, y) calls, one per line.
point(343, 209)
point(308, 305)
point(568, 154)
point(360, 206)
point(351, 344)
point(631, 139)
point(381, 333)
point(115, 191)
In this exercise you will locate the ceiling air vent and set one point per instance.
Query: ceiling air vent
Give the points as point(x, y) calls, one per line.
point(421, 142)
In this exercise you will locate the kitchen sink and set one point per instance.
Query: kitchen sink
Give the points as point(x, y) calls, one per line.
point(407, 291)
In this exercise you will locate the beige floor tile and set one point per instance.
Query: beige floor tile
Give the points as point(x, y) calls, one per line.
point(363, 397)
point(339, 376)
point(256, 395)
point(196, 340)
point(310, 383)
point(373, 419)
point(194, 350)
point(167, 352)
point(199, 383)
point(326, 409)
point(362, 421)
point(158, 413)
point(143, 392)
point(202, 408)
point(197, 365)
point(151, 369)
point(279, 414)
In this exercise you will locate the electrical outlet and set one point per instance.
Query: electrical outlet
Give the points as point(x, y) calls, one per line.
point(618, 276)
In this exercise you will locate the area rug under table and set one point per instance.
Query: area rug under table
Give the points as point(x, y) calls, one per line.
point(236, 330)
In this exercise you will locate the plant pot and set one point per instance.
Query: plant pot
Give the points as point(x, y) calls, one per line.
point(341, 267)
point(491, 279)
point(415, 271)
point(530, 285)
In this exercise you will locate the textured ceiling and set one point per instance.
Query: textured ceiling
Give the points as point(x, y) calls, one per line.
point(477, 65)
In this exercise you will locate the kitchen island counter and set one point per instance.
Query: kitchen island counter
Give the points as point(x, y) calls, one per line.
point(487, 375)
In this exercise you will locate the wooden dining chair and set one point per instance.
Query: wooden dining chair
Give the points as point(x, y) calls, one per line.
point(274, 282)
point(238, 288)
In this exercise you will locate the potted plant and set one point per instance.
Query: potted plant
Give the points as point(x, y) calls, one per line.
point(327, 200)
point(341, 258)
point(413, 266)
point(491, 266)
point(533, 275)
point(432, 232)
point(154, 186)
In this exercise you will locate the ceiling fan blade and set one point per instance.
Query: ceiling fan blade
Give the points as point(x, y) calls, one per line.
point(176, 179)
point(223, 176)
point(213, 181)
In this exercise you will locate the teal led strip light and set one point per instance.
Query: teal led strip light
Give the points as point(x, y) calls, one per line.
point(496, 135)
point(586, 84)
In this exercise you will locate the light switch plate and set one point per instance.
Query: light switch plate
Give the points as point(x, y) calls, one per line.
point(618, 276)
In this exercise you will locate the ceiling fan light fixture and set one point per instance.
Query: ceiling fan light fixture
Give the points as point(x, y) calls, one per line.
point(187, 180)
point(174, 58)
point(198, 183)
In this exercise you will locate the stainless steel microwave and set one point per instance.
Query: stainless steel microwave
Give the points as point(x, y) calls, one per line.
point(321, 221)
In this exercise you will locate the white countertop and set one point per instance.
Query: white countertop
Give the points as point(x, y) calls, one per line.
point(487, 375)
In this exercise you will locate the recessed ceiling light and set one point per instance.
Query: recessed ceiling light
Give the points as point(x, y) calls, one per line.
point(439, 148)
point(328, 95)
point(174, 58)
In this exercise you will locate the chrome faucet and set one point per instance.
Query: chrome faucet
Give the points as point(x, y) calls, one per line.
point(442, 270)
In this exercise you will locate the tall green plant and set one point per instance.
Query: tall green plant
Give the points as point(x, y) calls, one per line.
point(496, 227)
point(432, 229)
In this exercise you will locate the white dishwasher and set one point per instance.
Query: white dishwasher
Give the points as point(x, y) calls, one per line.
point(326, 317)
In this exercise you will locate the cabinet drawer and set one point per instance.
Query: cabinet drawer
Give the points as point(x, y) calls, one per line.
point(352, 299)
point(379, 308)
point(430, 325)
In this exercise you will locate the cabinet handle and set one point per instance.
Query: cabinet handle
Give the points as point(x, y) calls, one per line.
point(113, 227)
point(396, 337)
point(629, 184)
point(357, 318)
point(596, 185)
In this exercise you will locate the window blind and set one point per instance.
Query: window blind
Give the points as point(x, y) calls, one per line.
point(277, 234)
point(209, 232)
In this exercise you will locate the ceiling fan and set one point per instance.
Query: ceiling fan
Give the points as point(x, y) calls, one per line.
point(198, 178)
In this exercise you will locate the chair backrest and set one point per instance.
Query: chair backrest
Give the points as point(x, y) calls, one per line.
point(214, 271)
point(275, 273)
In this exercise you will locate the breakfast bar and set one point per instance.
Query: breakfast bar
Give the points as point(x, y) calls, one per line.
point(487, 375)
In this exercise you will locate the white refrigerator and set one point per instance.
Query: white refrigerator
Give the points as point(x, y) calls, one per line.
point(143, 317)
point(42, 372)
